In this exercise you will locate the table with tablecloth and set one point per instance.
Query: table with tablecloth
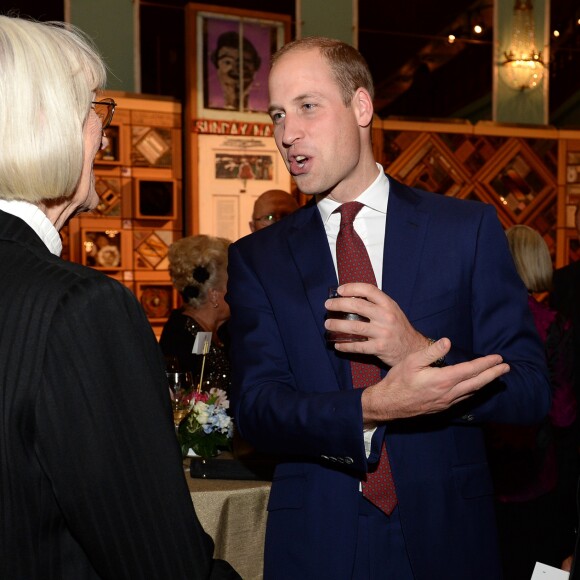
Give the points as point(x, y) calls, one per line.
point(233, 512)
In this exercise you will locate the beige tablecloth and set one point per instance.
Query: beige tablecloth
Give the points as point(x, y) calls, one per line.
point(233, 513)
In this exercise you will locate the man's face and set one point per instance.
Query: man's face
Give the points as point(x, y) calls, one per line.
point(317, 136)
point(271, 209)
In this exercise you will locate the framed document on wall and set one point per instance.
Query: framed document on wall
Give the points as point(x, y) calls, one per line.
point(227, 62)
point(236, 171)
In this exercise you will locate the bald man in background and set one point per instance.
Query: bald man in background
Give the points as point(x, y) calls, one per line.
point(271, 207)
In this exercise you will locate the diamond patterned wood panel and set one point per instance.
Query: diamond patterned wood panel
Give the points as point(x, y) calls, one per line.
point(506, 168)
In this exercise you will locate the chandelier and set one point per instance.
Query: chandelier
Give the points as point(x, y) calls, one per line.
point(523, 67)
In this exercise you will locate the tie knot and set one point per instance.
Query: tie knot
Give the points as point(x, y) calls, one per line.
point(349, 211)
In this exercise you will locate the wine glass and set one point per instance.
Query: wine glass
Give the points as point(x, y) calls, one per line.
point(181, 391)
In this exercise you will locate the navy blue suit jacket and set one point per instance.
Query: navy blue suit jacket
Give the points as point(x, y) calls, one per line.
point(447, 264)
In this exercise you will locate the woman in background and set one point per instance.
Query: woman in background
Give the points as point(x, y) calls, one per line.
point(198, 268)
point(91, 476)
point(535, 467)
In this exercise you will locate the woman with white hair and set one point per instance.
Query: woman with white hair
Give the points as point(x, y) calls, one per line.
point(91, 479)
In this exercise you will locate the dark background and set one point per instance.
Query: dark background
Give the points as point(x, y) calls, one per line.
point(417, 72)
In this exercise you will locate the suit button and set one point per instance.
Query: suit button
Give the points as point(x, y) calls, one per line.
point(324, 457)
point(468, 417)
point(348, 460)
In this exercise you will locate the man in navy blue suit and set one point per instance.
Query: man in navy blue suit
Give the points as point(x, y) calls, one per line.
point(448, 326)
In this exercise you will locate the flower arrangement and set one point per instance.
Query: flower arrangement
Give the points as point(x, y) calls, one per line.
point(207, 428)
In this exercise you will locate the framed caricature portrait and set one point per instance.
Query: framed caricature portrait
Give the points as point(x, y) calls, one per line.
point(229, 60)
point(233, 75)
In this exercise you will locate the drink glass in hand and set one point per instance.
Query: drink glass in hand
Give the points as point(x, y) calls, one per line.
point(181, 392)
point(334, 336)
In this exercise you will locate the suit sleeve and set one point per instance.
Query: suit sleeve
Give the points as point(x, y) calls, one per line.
point(107, 443)
point(501, 322)
point(307, 418)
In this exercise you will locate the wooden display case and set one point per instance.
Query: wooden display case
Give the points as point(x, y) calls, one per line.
point(138, 180)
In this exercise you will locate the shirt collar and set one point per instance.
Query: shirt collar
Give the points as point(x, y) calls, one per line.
point(376, 196)
point(37, 220)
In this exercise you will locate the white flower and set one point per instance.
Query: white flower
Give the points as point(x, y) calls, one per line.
point(202, 412)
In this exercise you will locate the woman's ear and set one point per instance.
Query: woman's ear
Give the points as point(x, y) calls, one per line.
point(212, 294)
point(363, 107)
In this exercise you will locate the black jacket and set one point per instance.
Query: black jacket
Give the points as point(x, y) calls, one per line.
point(91, 478)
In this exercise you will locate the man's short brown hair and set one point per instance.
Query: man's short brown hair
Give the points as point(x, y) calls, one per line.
point(348, 66)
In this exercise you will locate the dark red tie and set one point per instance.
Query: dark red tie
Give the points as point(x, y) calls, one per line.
point(354, 265)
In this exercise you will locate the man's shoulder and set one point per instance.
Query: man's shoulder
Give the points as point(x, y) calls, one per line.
point(434, 200)
point(440, 206)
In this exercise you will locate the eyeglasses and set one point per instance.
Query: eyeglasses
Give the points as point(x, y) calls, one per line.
point(270, 218)
point(105, 109)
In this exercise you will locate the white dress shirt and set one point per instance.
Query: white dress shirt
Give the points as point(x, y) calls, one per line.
point(37, 220)
point(369, 224)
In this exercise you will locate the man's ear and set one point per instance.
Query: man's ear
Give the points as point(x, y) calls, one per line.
point(363, 107)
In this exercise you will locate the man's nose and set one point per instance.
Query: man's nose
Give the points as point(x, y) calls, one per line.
point(293, 130)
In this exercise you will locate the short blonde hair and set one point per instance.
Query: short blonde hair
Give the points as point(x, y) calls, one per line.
point(532, 258)
point(49, 74)
point(198, 264)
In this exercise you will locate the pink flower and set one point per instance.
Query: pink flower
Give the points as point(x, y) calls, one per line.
point(195, 397)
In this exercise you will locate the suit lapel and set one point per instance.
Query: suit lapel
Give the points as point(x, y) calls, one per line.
point(404, 238)
point(309, 248)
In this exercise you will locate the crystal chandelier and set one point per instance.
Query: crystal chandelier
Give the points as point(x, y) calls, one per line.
point(523, 67)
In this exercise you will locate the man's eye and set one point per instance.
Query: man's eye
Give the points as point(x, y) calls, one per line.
point(277, 117)
point(309, 106)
